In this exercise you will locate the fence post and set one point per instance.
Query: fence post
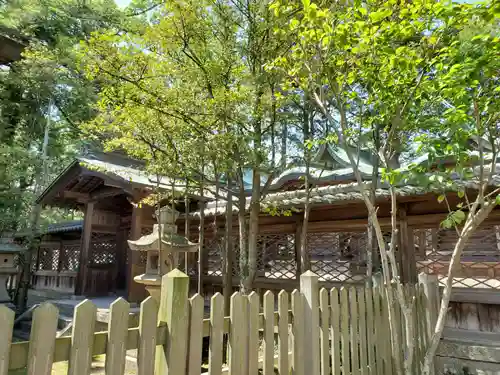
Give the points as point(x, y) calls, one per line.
point(430, 287)
point(431, 290)
point(171, 356)
point(309, 288)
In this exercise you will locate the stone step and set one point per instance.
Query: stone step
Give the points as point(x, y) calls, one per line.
point(23, 328)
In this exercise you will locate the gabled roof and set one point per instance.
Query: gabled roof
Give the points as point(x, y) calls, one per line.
point(330, 164)
point(92, 172)
point(100, 173)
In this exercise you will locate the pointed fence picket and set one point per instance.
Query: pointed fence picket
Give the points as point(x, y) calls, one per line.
point(284, 357)
point(268, 340)
point(42, 340)
point(216, 334)
point(349, 328)
point(82, 338)
point(196, 311)
point(147, 337)
point(335, 330)
point(253, 332)
point(7, 324)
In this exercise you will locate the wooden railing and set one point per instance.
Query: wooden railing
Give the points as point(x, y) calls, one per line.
point(313, 331)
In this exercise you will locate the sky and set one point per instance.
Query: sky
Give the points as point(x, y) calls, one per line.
point(122, 3)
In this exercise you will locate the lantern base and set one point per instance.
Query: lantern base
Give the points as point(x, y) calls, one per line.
point(155, 292)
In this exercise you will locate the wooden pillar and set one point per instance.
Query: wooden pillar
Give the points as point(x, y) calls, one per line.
point(174, 312)
point(432, 304)
point(85, 250)
point(136, 292)
point(121, 258)
point(408, 266)
point(310, 290)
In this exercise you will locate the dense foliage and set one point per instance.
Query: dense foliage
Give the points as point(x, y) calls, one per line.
point(208, 87)
point(212, 92)
point(46, 85)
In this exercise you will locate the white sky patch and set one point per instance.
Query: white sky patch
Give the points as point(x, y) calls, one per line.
point(122, 3)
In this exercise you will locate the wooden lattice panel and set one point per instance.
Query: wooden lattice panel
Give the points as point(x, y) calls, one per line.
point(103, 249)
point(276, 256)
point(480, 261)
point(338, 256)
point(70, 257)
point(49, 258)
point(215, 250)
point(236, 255)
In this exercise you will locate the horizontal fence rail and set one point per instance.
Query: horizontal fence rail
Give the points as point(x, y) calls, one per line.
point(309, 331)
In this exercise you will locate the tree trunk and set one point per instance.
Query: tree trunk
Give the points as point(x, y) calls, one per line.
point(472, 222)
point(253, 232)
point(228, 251)
point(242, 226)
point(201, 242)
point(284, 140)
point(370, 243)
point(24, 284)
point(304, 256)
point(372, 211)
point(186, 230)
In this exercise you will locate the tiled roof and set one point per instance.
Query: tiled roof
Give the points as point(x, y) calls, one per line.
point(337, 193)
point(67, 226)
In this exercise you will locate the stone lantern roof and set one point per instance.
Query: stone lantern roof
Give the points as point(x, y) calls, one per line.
point(8, 246)
point(166, 232)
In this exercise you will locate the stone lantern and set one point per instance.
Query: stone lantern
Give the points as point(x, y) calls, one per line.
point(8, 250)
point(163, 247)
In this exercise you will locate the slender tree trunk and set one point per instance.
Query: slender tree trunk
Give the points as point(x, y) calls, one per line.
point(242, 228)
point(284, 141)
point(370, 243)
point(24, 284)
point(186, 229)
point(372, 211)
point(201, 242)
point(471, 224)
point(304, 256)
point(253, 231)
point(228, 250)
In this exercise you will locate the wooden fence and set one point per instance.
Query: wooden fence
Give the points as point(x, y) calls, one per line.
point(341, 331)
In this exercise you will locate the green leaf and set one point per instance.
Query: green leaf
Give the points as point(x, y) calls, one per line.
point(497, 200)
point(458, 216)
point(441, 198)
point(447, 223)
point(461, 194)
point(380, 15)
